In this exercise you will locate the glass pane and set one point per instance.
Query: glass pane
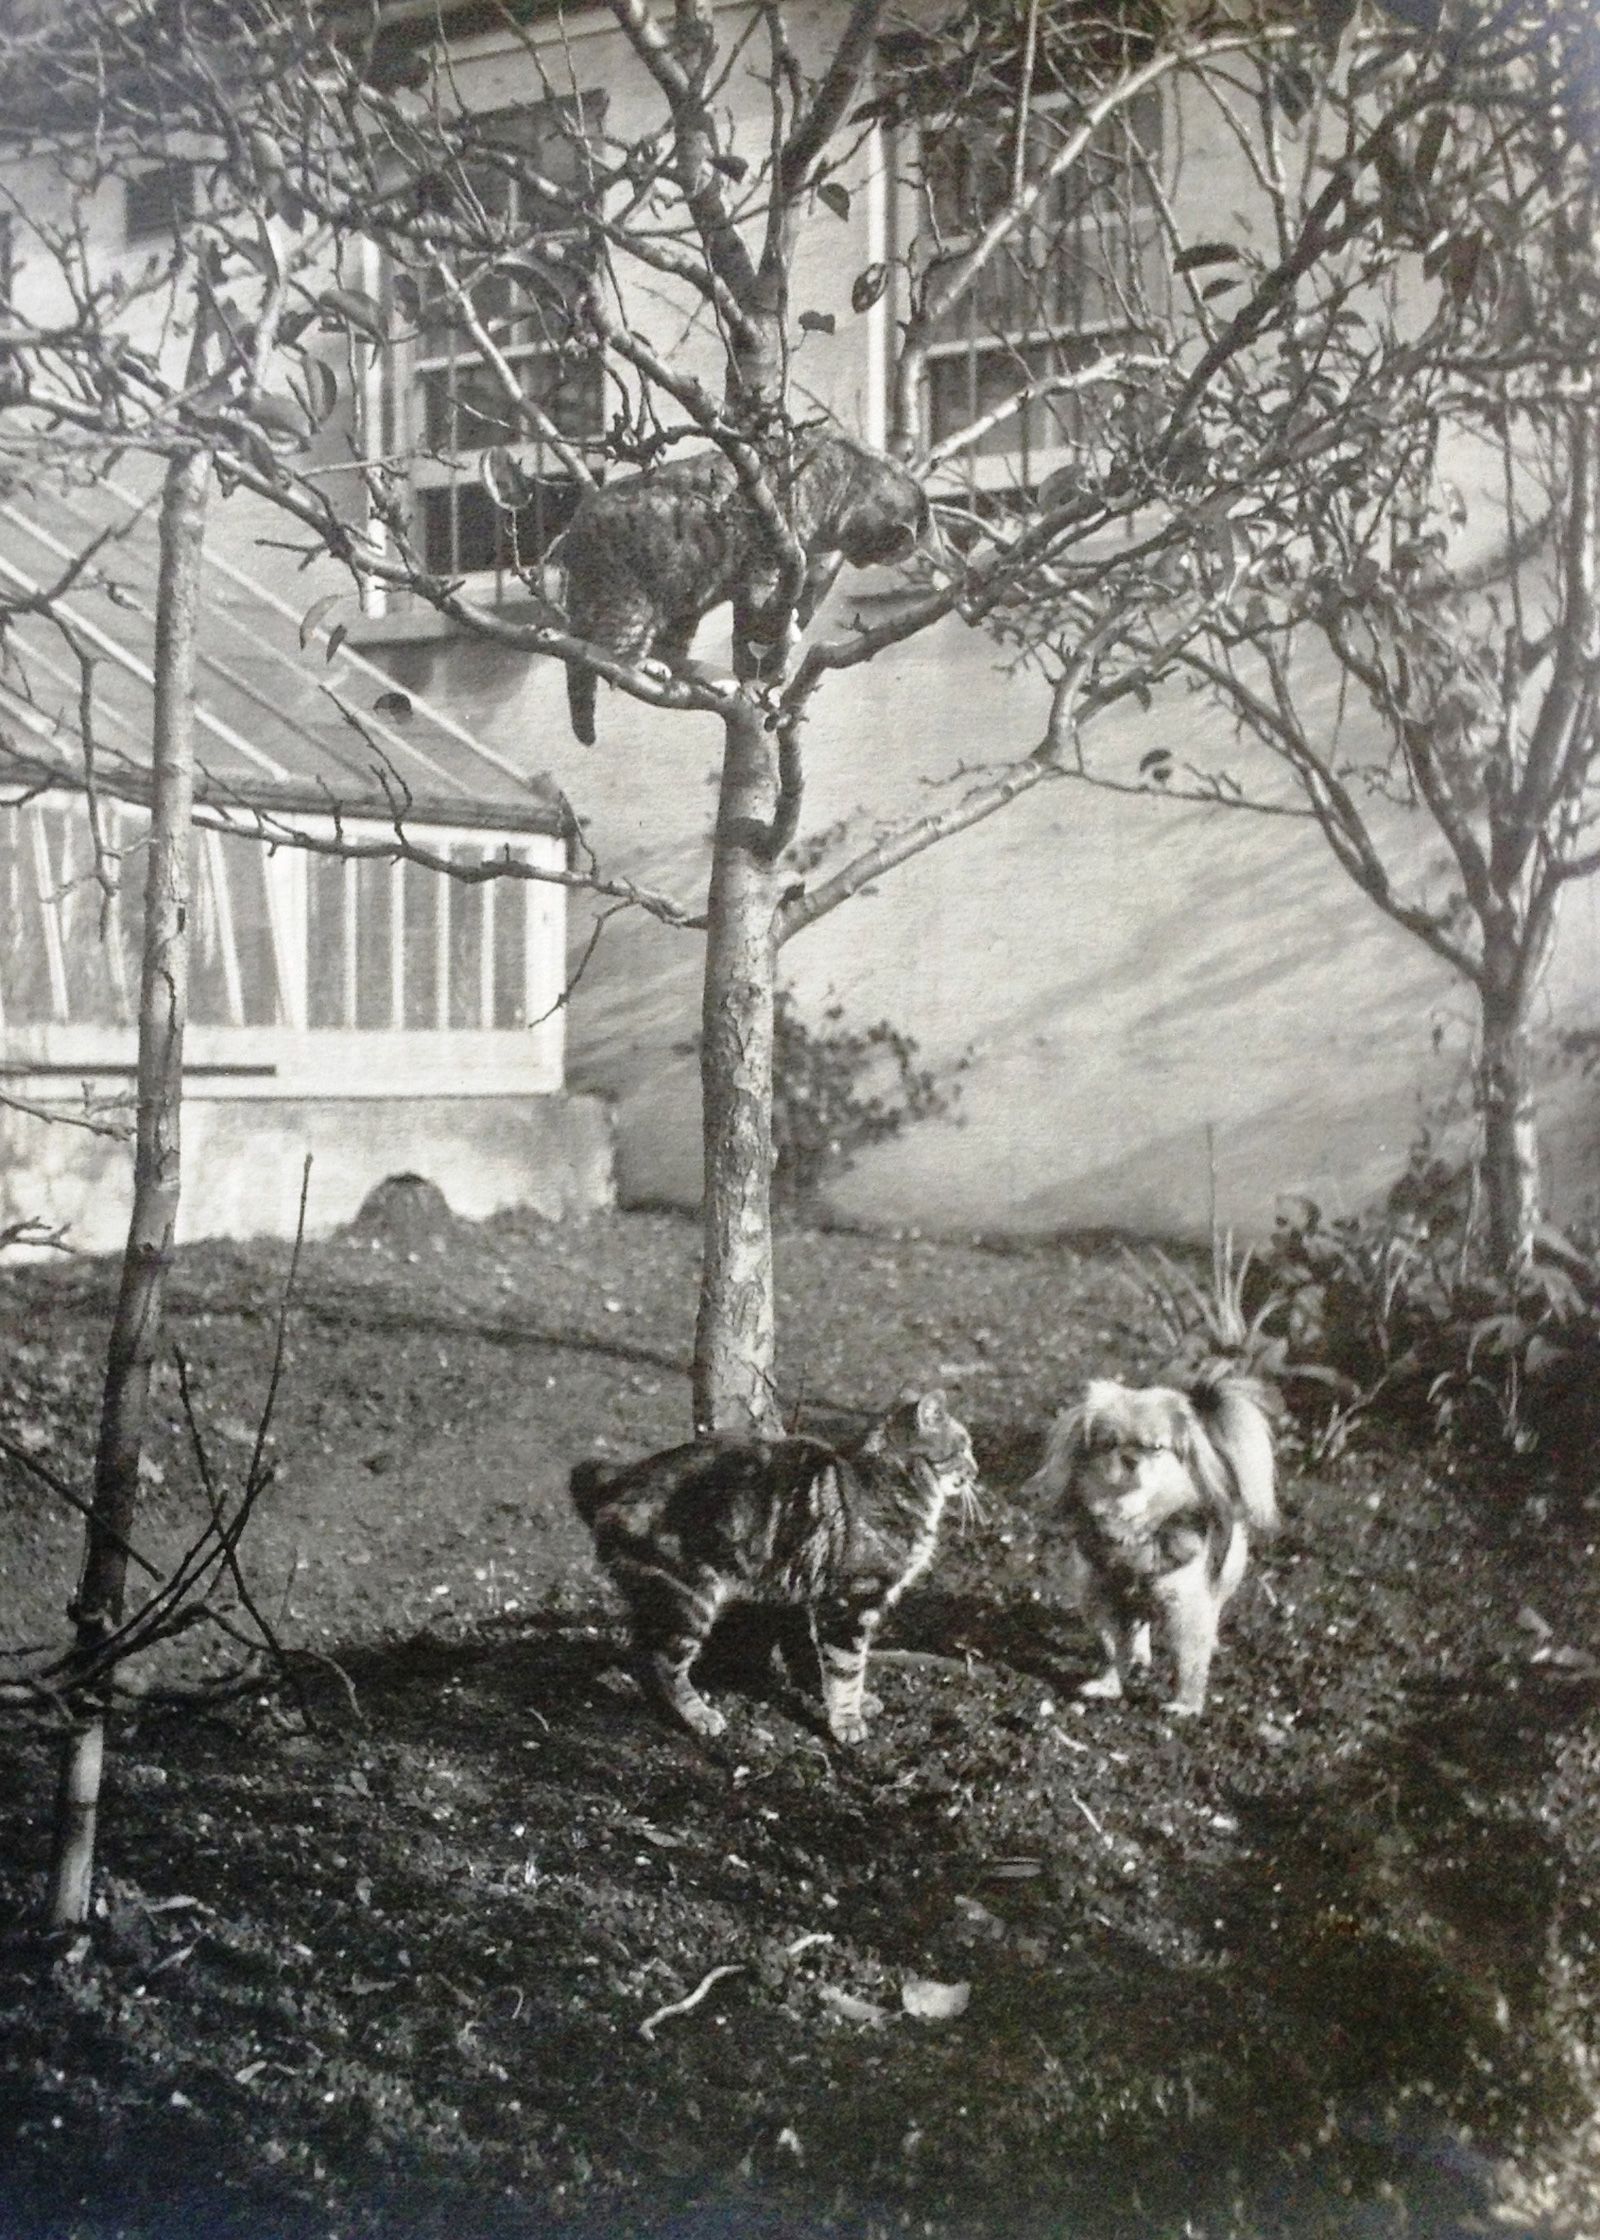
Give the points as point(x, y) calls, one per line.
point(23, 959)
point(325, 942)
point(466, 942)
point(463, 532)
point(483, 414)
point(511, 899)
point(550, 140)
point(209, 995)
point(465, 407)
point(477, 529)
point(966, 385)
point(131, 874)
point(424, 895)
point(245, 867)
point(374, 944)
point(570, 390)
point(436, 531)
point(87, 915)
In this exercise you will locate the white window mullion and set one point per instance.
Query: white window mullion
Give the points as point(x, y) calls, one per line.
point(397, 944)
point(222, 904)
point(352, 934)
point(49, 910)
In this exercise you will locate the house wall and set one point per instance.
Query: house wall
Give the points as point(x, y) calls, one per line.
point(1123, 992)
point(243, 1162)
point(1116, 988)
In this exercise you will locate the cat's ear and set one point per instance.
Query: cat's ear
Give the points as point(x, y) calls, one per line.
point(932, 1414)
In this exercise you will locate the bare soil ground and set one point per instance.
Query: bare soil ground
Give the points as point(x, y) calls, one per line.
point(1325, 1963)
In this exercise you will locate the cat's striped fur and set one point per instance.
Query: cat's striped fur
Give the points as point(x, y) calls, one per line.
point(647, 557)
point(791, 1522)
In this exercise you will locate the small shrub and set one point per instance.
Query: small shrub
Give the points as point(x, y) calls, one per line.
point(1204, 1323)
point(1400, 1303)
point(837, 1089)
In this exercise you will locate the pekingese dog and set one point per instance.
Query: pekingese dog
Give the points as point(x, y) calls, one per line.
point(1163, 1490)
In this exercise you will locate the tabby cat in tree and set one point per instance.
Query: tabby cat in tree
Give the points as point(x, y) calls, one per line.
point(648, 557)
point(790, 1522)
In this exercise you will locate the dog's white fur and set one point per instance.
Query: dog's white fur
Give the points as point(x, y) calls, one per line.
point(1164, 1490)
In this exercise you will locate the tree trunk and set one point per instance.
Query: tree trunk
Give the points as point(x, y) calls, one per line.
point(735, 1335)
point(163, 1002)
point(1510, 1122)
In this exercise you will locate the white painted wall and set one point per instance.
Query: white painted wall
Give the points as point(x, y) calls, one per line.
point(1121, 975)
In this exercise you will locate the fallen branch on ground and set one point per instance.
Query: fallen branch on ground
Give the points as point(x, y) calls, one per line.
point(648, 2028)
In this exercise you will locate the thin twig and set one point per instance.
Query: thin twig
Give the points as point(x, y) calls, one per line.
point(1089, 1816)
point(648, 2028)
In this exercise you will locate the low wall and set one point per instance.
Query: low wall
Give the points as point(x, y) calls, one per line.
point(242, 1162)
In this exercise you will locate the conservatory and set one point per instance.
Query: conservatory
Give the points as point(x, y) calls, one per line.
point(380, 1015)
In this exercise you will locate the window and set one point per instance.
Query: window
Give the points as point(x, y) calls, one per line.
point(524, 304)
point(1067, 286)
point(71, 938)
point(277, 939)
point(63, 947)
point(156, 203)
point(391, 945)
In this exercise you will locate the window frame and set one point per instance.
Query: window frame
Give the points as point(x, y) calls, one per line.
point(440, 467)
point(290, 1056)
point(1012, 458)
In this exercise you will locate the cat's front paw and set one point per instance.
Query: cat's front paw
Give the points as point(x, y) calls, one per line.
point(1105, 1687)
point(703, 1718)
point(1182, 1708)
point(848, 1727)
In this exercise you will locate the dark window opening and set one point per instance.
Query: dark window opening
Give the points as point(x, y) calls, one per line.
point(513, 326)
point(1070, 285)
point(463, 531)
point(156, 203)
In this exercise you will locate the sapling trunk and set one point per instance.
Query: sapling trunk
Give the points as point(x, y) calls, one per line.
point(1510, 1131)
point(135, 1332)
point(735, 1335)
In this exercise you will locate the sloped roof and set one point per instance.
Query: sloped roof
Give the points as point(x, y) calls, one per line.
point(279, 725)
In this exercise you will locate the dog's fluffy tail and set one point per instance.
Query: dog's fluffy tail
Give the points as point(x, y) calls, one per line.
point(589, 1484)
point(1232, 1410)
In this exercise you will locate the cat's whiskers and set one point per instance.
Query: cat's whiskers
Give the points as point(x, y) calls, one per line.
point(969, 1502)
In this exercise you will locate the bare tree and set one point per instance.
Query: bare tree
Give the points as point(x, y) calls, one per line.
point(79, 387)
point(1406, 619)
point(661, 265)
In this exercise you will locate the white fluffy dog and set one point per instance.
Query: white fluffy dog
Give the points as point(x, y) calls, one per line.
point(1163, 1490)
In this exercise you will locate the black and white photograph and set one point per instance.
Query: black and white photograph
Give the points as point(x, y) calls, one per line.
point(799, 1120)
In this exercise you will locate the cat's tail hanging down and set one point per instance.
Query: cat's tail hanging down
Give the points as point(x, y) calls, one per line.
point(580, 701)
point(591, 1480)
